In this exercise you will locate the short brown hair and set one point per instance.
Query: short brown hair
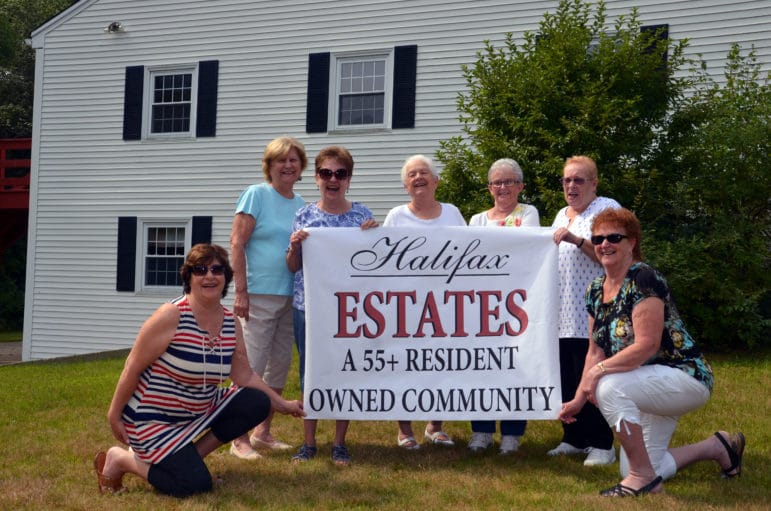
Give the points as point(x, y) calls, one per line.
point(279, 148)
point(205, 253)
point(625, 219)
point(338, 152)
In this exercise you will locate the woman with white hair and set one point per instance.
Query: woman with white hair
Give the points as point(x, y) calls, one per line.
point(420, 179)
point(505, 181)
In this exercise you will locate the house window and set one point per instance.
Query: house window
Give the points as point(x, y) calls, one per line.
point(364, 90)
point(176, 101)
point(171, 106)
point(361, 91)
point(151, 252)
point(164, 249)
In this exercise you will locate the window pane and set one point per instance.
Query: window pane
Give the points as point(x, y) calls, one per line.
point(171, 103)
point(164, 255)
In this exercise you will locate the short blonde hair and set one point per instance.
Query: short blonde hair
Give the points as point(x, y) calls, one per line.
point(586, 162)
point(279, 148)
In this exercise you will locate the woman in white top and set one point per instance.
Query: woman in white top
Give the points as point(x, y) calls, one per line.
point(578, 266)
point(505, 182)
point(420, 179)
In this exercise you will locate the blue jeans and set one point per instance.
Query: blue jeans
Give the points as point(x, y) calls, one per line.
point(516, 428)
point(298, 317)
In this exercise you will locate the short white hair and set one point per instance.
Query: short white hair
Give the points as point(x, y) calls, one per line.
point(506, 162)
point(421, 158)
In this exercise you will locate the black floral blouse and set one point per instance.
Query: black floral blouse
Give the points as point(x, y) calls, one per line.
point(613, 329)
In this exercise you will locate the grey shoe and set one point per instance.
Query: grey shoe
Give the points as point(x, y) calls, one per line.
point(509, 444)
point(480, 441)
point(564, 449)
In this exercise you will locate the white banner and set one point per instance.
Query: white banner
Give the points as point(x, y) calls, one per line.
point(457, 323)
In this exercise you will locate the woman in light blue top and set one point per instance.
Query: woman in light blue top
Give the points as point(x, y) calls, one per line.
point(263, 284)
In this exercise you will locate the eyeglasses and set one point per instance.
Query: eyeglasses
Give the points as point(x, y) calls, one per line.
point(326, 174)
point(577, 180)
point(201, 269)
point(504, 182)
point(612, 238)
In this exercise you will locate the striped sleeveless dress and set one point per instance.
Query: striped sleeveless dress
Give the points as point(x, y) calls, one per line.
point(179, 395)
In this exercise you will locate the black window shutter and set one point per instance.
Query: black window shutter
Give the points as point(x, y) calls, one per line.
point(405, 76)
point(201, 230)
point(206, 117)
point(317, 108)
point(127, 250)
point(132, 102)
point(661, 32)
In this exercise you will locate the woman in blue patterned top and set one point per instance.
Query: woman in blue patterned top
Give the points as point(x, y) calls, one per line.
point(643, 369)
point(334, 168)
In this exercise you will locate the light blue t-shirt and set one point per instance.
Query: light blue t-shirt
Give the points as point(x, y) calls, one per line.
point(266, 271)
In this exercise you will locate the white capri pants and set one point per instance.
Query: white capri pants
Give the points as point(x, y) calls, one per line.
point(269, 337)
point(654, 397)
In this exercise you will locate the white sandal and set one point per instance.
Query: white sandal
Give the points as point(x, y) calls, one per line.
point(439, 438)
point(408, 443)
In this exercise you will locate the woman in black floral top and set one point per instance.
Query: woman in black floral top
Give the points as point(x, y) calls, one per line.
point(643, 369)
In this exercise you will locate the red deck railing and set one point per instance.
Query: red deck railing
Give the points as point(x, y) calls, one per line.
point(14, 172)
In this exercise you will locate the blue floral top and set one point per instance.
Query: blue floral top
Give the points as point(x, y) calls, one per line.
point(613, 329)
point(312, 216)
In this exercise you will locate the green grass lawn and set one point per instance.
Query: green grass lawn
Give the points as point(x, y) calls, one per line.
point(52, 422)
point(10, 336)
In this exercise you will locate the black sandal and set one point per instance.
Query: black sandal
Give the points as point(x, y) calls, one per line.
point(735, 451)
point(625, 491)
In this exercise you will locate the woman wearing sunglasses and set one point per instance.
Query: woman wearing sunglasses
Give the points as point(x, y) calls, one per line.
point(169, 405)
point(643, 368)
point(262, 283)
point(578, 266)
point(334, 169)
point(420, 179)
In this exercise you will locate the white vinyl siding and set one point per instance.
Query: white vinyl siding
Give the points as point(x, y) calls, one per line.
point(85, 176)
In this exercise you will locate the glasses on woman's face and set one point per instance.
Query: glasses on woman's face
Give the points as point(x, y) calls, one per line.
point(566, 181)
point(612, 238)
point(326, 174)
point(201, 269)
point(500, 183)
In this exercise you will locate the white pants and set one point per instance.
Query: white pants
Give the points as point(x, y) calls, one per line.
point(654, 397)
point(268, 336)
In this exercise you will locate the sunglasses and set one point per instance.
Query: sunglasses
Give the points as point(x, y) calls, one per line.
point(612, 238)
point(201, 269)
point(326, 174)
point(503, 182)
point(577, 180)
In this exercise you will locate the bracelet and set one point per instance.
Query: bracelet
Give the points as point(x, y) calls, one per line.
point(580, 245)
point(602, 367)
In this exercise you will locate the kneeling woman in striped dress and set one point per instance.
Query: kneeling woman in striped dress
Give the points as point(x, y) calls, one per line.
point(169, 405)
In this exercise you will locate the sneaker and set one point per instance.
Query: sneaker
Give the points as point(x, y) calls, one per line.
point(305, 453)
point(340, 455)
point(480, 441)
point(564, 449)
point(599, 457)
point(509, 444)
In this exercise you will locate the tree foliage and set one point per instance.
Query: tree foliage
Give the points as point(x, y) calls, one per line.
point(711, 231)
point(17, 61)
point(686, 154)
point(575, 87)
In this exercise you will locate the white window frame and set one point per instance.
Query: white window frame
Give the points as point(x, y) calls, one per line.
point(144, 226)
point(336, 61)
point(149, 87)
